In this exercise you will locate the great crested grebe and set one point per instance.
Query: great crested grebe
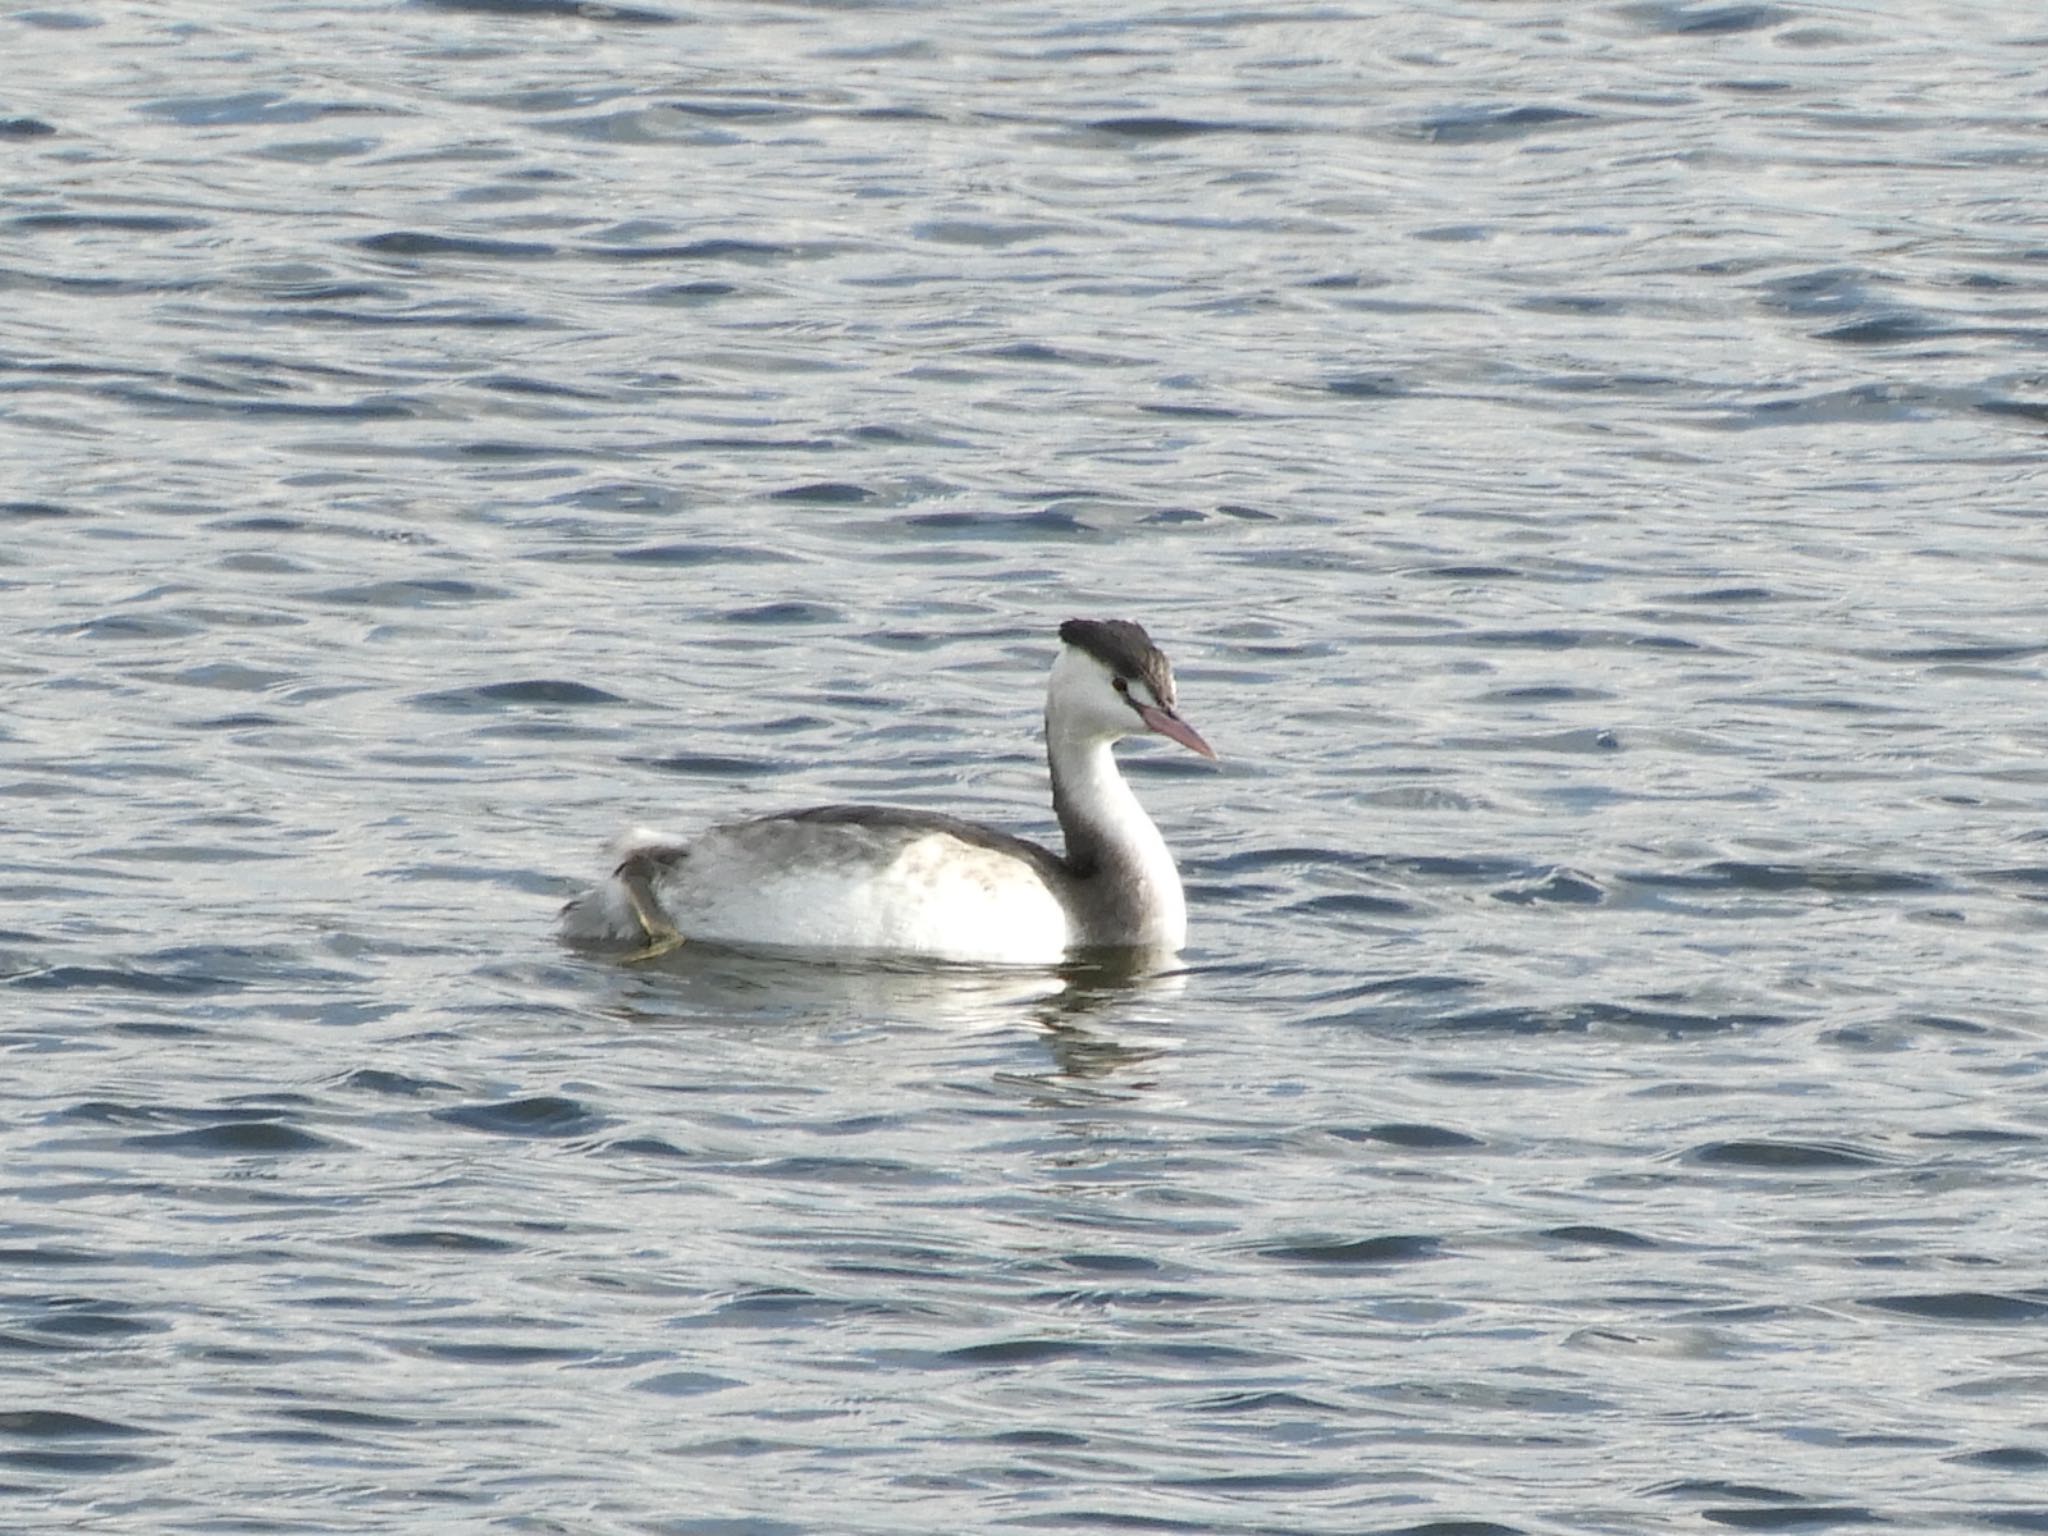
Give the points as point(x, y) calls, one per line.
point(881, 880)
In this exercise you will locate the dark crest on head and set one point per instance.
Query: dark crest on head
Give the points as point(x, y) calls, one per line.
point(1125, 649)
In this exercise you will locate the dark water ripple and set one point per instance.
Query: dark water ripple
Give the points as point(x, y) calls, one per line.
point(1587, 466)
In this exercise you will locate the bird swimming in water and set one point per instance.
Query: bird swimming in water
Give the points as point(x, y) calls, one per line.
point(881, 880)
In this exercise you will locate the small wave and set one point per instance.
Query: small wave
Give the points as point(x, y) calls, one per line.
point(51, 1255)
point(408, 592)
point(825, 493)
point(1362, 1252)
point(57, 1424)
point(647, 1146)
point(2005, 1458)
point(1483, 125)
point(1431, 1138)
point(1584, 1018)
point(2024, 410)
point(696, 554)
point(596, 11)
point(548, 692)
point(1599, 1237)
point(546, 1116)
point(685, 1383)
point(1966, 1306)
point(1783, 1156)
point(750, 252)
point(1352, 904)
point(715, 765)
point(1882, 330)
point(395, 1084)
point(1743, 875)
point(120, 223)
point(76, 1464)
point(778, 614)
point(234, 1138)
point(1366, 386)
point(441, 1240)
point(502, 1354)
point(67, 978)
point(1703, 21)
point(1021, 1352)
point(1147, 129)
point(411, 242)
point(1559, 886)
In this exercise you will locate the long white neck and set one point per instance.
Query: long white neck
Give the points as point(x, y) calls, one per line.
point(1113, 849)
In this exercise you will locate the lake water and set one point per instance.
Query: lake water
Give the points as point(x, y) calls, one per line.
point(1587, 464)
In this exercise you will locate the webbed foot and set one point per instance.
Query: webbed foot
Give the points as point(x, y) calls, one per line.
point(660, 933)
point(656, 946)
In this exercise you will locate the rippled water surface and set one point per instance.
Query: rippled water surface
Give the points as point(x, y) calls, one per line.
point(1587, 464)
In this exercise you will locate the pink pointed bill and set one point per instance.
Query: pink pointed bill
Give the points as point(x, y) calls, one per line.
point(1170, 725)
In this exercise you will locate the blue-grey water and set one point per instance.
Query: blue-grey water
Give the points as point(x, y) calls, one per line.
point(1587, 463)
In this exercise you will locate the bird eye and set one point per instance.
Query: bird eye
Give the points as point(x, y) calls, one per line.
point(1120, 685)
